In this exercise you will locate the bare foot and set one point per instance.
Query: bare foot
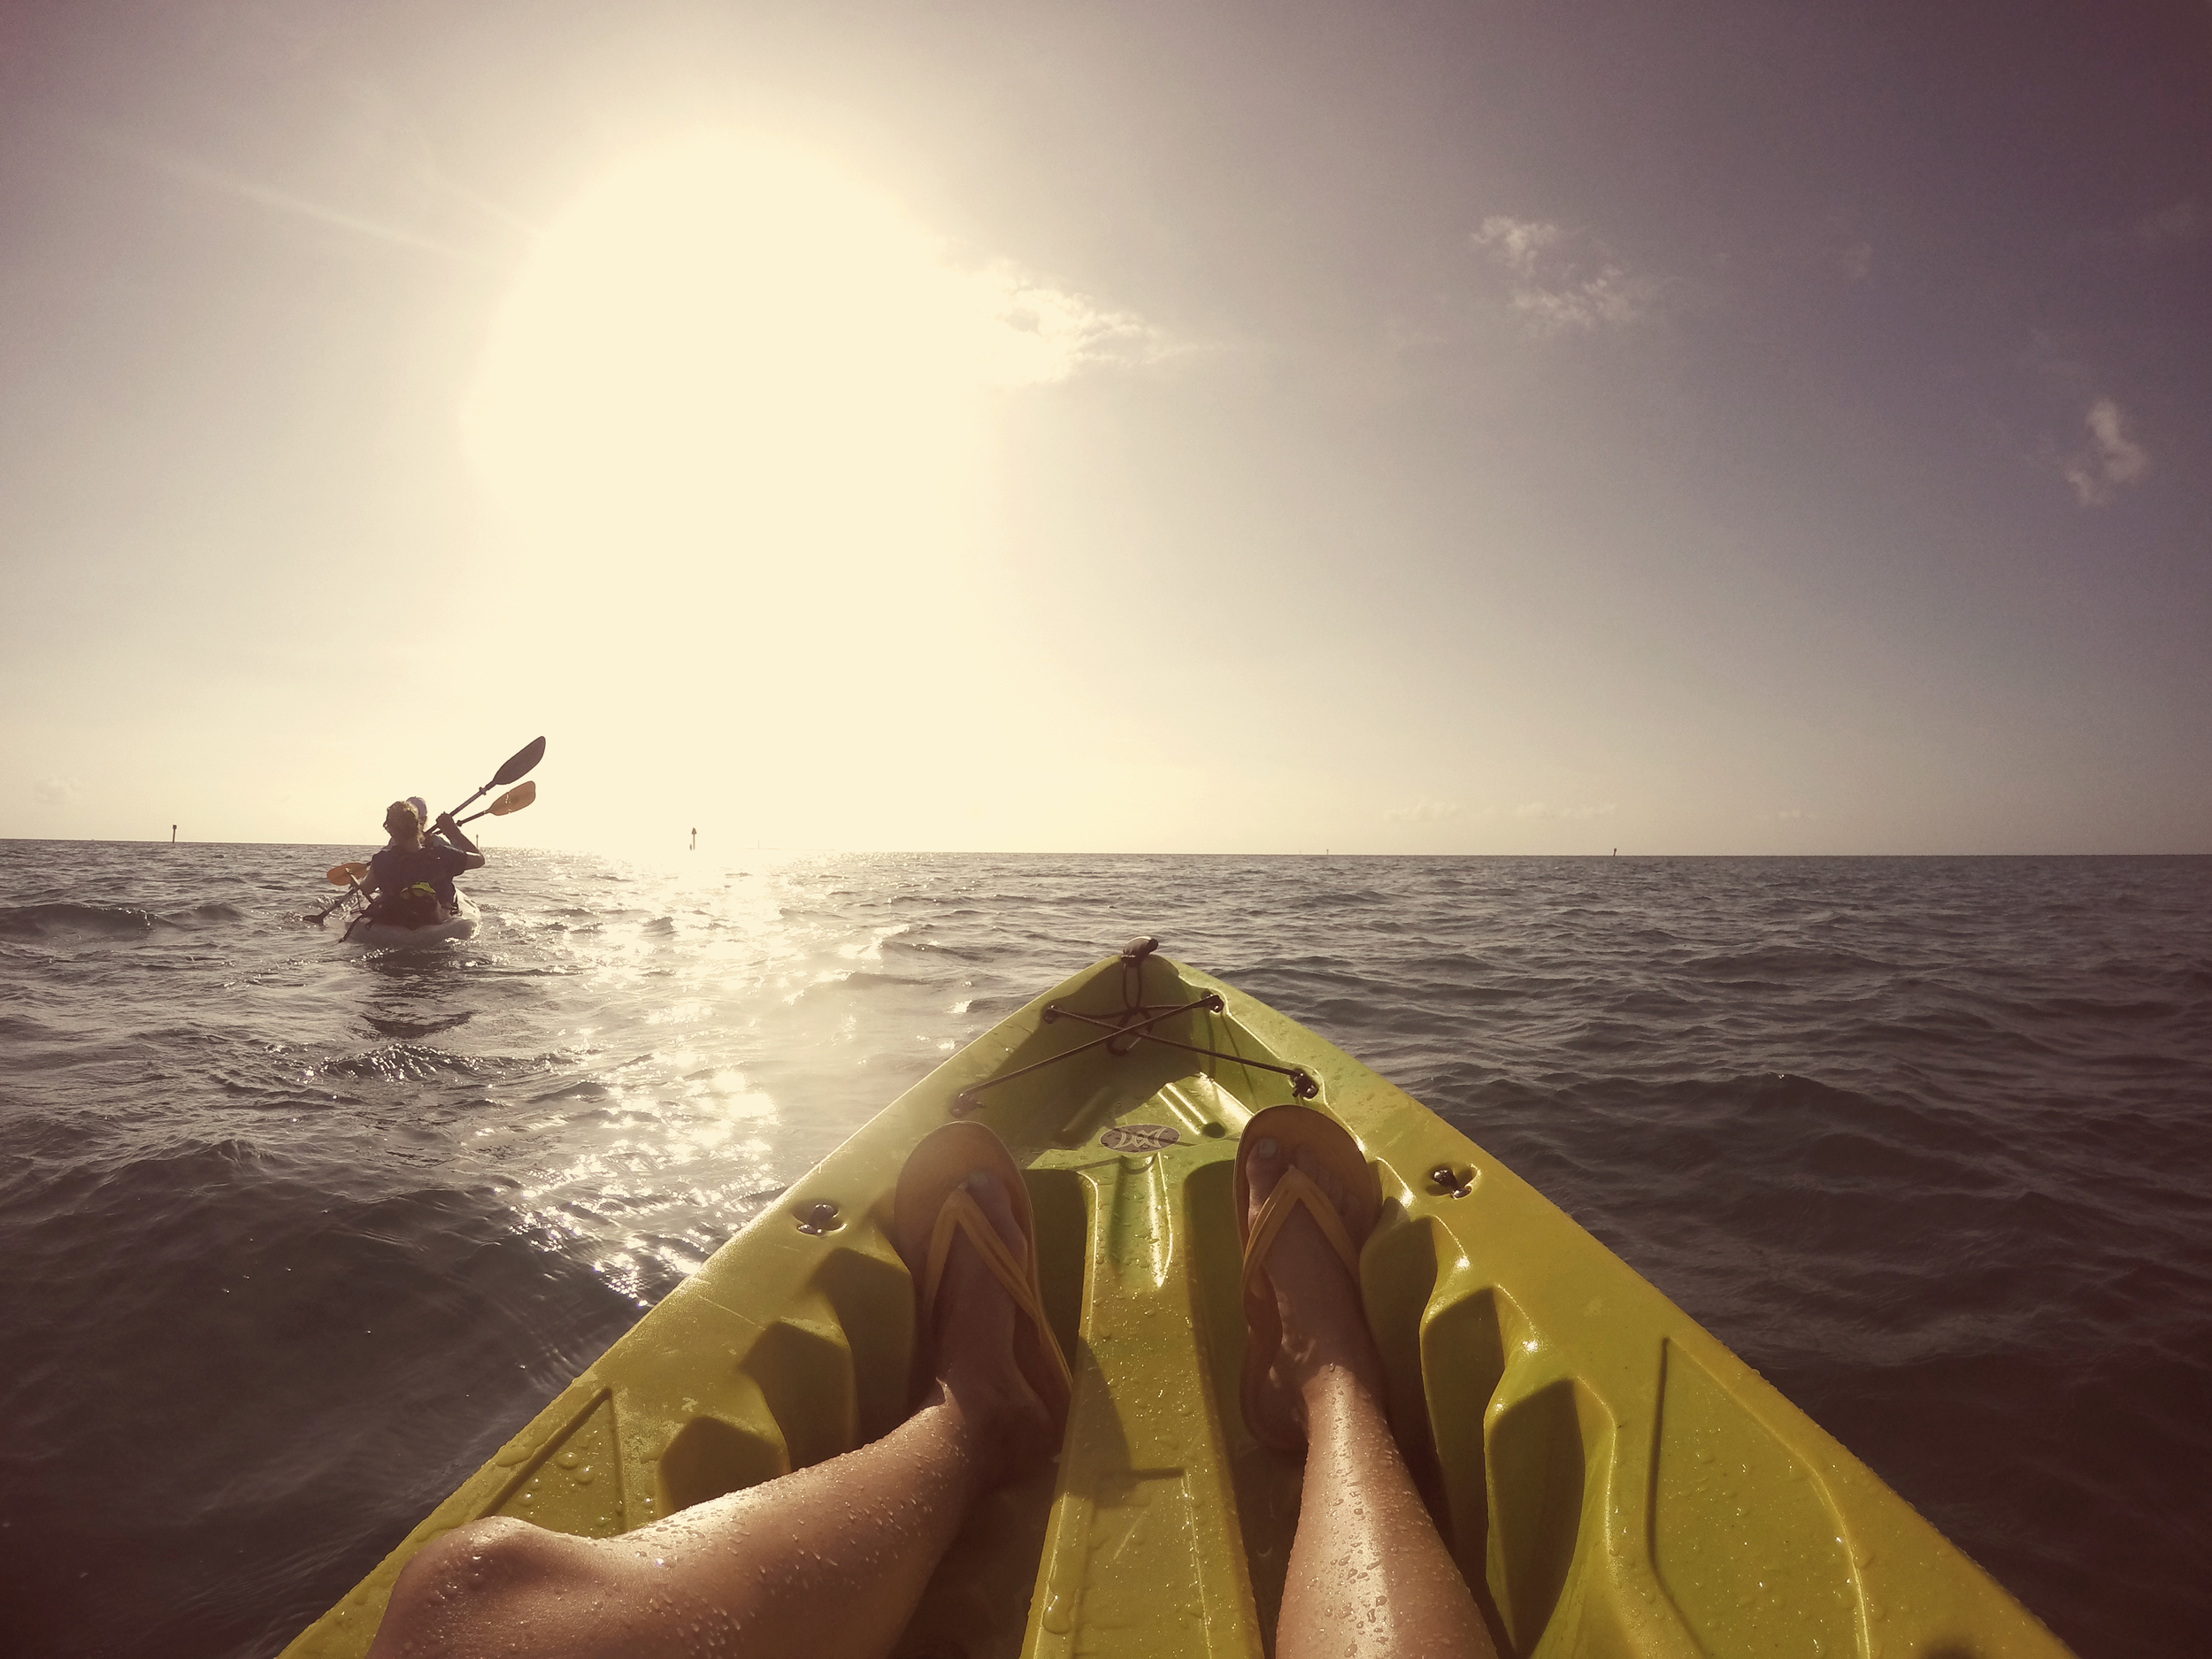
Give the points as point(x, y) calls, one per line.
point(976, 1325)
point(1326, 1344)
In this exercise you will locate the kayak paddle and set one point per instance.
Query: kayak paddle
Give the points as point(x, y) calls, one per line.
point(517, 765)
point(346, 876)
point(513, 800)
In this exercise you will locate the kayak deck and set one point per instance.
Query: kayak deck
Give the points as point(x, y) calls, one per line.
point(1610, 1478)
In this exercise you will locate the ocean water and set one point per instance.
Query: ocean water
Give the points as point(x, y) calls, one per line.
point(293, 1233)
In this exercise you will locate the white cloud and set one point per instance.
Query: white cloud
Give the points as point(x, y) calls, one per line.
point(57, 791)
point(1425, 812)
point(2111, 461)
point(1041, 335)
point(1544, 809)
point(1605, 298)
point(1517, 243)
point(1563, 282)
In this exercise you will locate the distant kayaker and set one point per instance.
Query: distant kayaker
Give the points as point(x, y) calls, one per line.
point(411, 881)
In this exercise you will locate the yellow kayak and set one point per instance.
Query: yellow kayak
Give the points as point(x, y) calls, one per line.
point(1610, 1478)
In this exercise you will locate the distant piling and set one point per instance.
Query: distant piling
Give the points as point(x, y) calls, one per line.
point(172, 835)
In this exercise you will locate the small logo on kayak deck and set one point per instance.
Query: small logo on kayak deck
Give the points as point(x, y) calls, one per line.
point(1140, 1137)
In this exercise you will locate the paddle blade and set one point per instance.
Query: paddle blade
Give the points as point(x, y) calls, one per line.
point(341, 875)
point(514, 799)
point(526, 757)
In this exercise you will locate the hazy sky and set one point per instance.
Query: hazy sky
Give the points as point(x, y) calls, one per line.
point(1705, 427)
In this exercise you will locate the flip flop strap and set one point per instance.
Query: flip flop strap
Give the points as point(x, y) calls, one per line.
point(960, 1215)
point(1297, 1190)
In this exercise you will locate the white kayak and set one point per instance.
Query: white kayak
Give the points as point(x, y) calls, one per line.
point(461, 925)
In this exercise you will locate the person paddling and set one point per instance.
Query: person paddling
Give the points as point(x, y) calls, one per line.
point(411, 881)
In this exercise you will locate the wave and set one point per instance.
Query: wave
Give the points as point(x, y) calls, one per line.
point(213, 912)
point(415, 1062)
point(66, 920)
point(215, 1268)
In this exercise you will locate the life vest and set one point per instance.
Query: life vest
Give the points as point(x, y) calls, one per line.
point(416, 906)
point(414, 888)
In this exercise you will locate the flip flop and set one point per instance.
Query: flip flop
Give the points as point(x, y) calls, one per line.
point(934, 1206)
point(1294, 1129)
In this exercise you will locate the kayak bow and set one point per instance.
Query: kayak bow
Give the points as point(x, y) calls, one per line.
point(1611, 1480)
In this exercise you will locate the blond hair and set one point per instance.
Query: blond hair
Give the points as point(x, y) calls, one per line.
point(401, 823)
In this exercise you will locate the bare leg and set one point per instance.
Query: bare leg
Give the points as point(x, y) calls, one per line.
point(1369, 1576)
point(828, 1562)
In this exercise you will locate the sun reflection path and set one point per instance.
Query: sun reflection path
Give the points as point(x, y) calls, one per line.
point(713, 1040)
point(629, 1081)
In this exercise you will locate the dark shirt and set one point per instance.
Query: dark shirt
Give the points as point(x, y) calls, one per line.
point(397, 869)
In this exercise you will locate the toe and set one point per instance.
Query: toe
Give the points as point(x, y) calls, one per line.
point(997, 1205)
point(1263, 1168)
point(1319, 1172)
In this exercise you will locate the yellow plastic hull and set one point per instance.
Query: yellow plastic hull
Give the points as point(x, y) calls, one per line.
point(1612, 1480)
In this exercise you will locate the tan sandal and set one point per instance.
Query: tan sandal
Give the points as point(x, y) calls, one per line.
point(1294, 1129)
point(933, 1207)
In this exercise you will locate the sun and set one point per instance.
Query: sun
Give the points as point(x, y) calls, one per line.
point(735, 421)
point(732, 348)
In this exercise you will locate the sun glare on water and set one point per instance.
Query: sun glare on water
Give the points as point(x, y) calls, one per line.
point(735, 420)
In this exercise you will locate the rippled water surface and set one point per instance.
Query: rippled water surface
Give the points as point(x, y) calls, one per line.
point(293, 1233)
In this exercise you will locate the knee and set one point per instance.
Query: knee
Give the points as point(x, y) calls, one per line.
point(457, 1585)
